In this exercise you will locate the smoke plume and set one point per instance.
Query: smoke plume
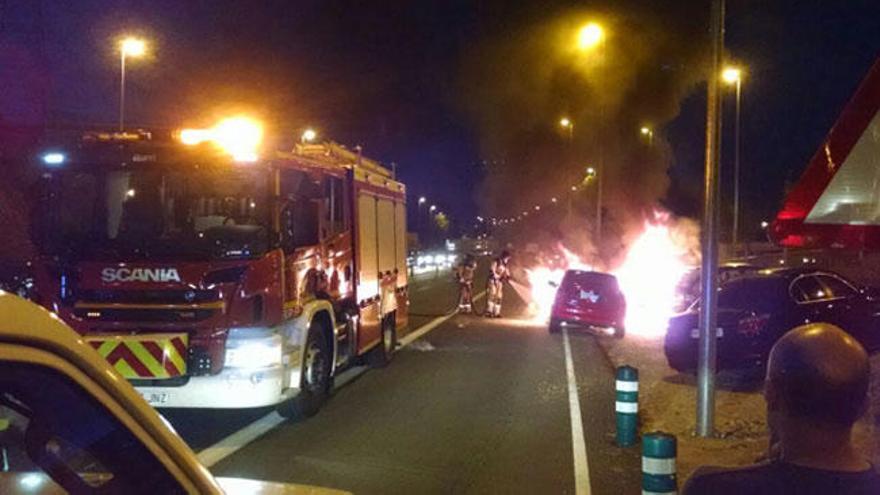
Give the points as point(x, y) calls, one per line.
point(524, 77)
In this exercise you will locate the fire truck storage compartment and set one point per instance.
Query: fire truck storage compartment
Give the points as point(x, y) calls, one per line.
point(381, 242)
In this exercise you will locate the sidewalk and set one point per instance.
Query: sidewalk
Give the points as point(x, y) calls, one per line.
point(667, 402)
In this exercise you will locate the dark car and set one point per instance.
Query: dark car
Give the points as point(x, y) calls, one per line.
point(590, 300)
point(756, 310)
point(688, 289)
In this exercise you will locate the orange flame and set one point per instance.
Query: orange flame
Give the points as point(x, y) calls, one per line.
point(651, 272)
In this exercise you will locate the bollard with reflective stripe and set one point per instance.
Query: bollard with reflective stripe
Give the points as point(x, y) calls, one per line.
point(627, 405)
point(658, 464)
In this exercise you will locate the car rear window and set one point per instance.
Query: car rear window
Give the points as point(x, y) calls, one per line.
point(760, 293)
point(593, 280)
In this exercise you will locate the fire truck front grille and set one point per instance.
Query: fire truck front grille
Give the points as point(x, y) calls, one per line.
point(176, 296)
point(147, 315)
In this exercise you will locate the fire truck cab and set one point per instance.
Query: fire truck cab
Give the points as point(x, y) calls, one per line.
point(217, 281)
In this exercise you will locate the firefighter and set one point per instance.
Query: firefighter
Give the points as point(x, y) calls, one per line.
point(499, 273)
point(464, 275)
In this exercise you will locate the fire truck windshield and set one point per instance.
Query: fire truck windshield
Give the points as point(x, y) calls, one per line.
point(158, 213)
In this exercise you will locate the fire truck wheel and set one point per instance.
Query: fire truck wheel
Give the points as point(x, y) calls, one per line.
point(381, 355)
point(315, 380)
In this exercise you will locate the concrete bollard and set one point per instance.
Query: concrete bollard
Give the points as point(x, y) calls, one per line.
point(626, 405)
point(658, 464)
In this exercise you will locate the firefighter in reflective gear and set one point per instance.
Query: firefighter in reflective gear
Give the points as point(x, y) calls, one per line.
point(464, 275)
point(499, 273)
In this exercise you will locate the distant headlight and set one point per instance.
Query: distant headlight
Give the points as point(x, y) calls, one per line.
point(252, 348)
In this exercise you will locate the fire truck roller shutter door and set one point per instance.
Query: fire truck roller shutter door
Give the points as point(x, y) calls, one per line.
point(400, 241)
point(387, 233)
point(368, 256)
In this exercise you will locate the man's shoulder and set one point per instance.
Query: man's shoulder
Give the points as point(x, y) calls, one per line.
point(778, 478)
point(719, 480)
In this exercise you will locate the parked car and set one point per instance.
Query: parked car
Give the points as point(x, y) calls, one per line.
point(590, 300)
point(756, 310)
point(69, 423)
point(688, 289)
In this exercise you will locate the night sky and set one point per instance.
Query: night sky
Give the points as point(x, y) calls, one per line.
point(411, 81)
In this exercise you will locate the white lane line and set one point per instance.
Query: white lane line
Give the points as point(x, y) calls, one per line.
point(238, 440)
point(436, 322)
point(578, 443)
point(233, 443)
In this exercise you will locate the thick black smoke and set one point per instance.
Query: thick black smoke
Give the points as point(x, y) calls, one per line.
point(526, 75)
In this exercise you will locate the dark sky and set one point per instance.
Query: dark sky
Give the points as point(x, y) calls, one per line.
point(399, 78)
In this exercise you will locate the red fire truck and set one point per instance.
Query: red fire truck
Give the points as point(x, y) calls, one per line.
point(212, 279)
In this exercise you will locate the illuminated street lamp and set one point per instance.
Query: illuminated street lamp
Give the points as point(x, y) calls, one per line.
point(568, 125)
point(648, 133)
point(432, 208)
point(422, 200)
point(308, 135)
point(733, 76)
point(590, 36)
point(128, 47)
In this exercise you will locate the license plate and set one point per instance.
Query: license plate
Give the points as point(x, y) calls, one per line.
point(695, 333)
point(155, 398)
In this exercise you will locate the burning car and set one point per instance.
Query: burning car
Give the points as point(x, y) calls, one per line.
point(591, 300)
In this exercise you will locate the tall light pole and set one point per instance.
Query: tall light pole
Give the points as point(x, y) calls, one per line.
point(129, 47)
point(568, 125)
point(591, 37)
point(432, 223)
point(707, 344)
point(733, 75)
point(422, 201)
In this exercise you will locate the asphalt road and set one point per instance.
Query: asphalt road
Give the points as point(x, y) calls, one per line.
point(474, 406)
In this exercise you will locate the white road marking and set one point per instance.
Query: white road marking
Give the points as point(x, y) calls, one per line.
point(233, 443)
point(436, 322)
point(241, 438)
point(578, 443)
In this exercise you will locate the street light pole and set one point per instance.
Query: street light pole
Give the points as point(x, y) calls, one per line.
point(422, 201)
point(736, 168)
point(122, 89)
point(600, 167)
point(706, 359)
point(129, 46)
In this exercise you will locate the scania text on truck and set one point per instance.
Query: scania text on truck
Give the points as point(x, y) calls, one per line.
point(223, 276)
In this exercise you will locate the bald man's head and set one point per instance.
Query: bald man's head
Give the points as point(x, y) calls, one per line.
point(818, 372)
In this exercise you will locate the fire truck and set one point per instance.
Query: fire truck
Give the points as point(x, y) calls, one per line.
point(212, 276)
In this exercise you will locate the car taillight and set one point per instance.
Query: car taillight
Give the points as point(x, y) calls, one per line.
point(752, 325)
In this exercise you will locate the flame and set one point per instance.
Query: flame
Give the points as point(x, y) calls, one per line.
point(655, 262)
point(543, 281)
point(651, 272)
